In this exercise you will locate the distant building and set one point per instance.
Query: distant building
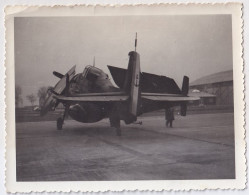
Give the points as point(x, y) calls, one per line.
point(219, 84)
point(205, 98)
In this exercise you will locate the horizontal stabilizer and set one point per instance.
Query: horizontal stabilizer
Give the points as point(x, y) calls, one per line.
point(166, 98)
point(96, 97)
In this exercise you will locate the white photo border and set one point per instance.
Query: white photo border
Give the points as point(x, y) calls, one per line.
point(235, 9)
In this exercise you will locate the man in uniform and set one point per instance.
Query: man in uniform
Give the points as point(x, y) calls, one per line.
point(169, 116)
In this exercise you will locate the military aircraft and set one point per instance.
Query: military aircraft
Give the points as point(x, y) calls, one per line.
point(90, 96)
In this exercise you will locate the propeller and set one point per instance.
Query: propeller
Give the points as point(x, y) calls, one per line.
point(62, 86)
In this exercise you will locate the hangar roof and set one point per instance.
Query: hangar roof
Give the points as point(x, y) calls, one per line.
point(214, 78)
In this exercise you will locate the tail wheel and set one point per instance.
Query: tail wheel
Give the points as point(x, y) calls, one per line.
point(59, 123)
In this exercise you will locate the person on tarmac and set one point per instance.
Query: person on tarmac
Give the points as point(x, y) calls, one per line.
point(169, 116)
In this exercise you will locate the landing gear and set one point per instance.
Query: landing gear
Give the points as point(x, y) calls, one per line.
point(60, 120)
point(115, 120)
point(59, 123)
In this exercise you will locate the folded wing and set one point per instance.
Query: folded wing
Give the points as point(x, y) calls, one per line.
point(150, 83)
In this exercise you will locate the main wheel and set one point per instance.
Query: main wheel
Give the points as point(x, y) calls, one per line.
point(59, 123)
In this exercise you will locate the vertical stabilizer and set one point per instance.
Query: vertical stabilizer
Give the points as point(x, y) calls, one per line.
point(185, 88)
point(132, 82)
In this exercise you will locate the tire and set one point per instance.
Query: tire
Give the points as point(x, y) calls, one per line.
point(59, 123)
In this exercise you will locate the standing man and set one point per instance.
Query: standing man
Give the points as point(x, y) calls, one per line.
point(169, 116)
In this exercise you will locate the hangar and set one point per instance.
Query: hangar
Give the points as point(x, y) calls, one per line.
point(218, 88)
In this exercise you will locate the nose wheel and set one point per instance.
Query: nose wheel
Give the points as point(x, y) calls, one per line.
point(60, 123)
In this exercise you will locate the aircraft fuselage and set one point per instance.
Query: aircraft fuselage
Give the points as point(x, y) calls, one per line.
point(92, 80)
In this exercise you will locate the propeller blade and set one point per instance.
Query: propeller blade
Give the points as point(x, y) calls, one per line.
point(57, 74)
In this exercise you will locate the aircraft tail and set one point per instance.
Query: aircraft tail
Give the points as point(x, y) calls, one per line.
point(132, 82)
point(185, 88)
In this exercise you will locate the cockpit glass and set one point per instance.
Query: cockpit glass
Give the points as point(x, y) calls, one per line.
point(91, 73)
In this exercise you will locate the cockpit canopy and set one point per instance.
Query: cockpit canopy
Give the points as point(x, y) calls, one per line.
point(92, 80)
point(91, 73)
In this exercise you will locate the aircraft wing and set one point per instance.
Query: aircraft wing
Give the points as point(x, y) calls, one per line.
point(94, 97)
point(150, 83)
point(58, 89)
point(167, 97)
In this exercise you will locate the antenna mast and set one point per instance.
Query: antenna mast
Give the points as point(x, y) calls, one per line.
point(94, 61)
point(136, 42)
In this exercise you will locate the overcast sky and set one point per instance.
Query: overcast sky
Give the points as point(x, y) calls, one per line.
point(173, 46)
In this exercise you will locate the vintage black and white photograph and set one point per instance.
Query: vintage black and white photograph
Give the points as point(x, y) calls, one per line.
point(124, 98)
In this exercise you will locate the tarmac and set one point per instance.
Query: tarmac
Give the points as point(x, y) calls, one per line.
point(197, 147)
